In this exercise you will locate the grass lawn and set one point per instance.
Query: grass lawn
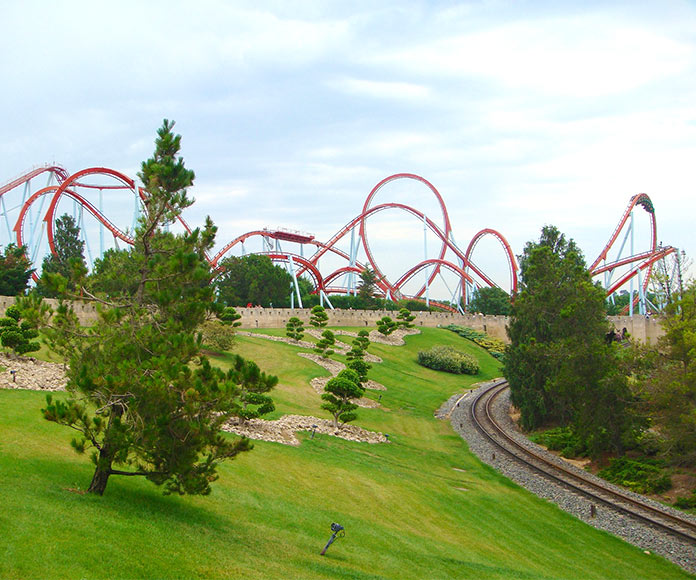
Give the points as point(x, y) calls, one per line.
point(421, 506)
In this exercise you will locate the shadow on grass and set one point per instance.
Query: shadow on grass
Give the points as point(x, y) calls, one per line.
point(65, 482)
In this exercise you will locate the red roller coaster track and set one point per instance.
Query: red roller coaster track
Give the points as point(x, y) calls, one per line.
point(460, 263)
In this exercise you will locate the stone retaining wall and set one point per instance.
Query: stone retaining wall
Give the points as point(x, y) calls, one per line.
point(639, 327)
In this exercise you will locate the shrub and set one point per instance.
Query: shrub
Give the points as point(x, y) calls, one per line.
point(17, 335)
point(686, 503)
point(446, 358)
point(561, 439)
point(641, 476)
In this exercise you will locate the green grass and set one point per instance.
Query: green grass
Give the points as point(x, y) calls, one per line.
point(420, 507)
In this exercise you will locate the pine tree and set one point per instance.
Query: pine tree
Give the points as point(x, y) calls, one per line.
point(319, 318)
point(141, 393)
point(386, 325)
point(68, 261)
point(405, 318)
point(15, 271)
point(323, 346)
point(339, 394)
point(294, 329)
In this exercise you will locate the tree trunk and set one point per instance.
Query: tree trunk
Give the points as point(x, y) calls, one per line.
point(107, 452)
point(100, 478)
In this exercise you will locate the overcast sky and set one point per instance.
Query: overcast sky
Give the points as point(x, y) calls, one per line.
point(520, 113)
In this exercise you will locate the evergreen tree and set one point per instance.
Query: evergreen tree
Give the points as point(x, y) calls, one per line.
point(558, 363)
point(141, 393)
point(294, 329)
point(115, 273)
point(68, 261)
point(319, 318)
point(386, 325)
point(405, 318)
point(339, 393)
point(17, 334)
point(367, 287)
point(252, 279)
point(490, 301)
point(15, 271)
point(324, 345)
point(253, 384)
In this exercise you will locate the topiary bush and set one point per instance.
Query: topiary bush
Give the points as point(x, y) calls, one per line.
point(448, 359)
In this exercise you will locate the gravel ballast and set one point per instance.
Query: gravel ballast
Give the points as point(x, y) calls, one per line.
point(456, 409)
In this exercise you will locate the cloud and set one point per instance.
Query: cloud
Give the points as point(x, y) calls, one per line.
point(588, 55)
point(381, 89)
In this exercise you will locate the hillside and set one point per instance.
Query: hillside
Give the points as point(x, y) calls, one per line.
point(419, 506)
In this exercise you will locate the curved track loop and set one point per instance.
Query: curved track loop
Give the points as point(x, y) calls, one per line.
point(363, 229)
point(461, 263)
point(512, 263)
point(596, 490)
point(644, 261)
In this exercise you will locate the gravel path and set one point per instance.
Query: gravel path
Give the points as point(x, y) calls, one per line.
point(641, 535)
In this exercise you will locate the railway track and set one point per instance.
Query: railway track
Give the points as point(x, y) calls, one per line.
point(598, 493)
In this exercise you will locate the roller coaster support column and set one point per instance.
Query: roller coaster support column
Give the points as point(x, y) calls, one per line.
point(630, 298)
point(101, 226)
point(294, 279)
point(353, 257)
point(322, 297)
point(425, 257)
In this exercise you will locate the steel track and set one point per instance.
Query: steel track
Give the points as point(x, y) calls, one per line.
point(602, 493)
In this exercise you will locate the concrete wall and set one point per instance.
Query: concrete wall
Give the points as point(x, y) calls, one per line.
point(641, 328)
point(278, 317)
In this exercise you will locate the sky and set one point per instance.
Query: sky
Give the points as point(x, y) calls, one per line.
point(521, 114)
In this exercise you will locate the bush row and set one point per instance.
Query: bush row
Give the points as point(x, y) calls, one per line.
point(446, 358)
point(494, 346)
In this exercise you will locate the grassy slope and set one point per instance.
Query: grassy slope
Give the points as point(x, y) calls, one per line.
point(420, 507)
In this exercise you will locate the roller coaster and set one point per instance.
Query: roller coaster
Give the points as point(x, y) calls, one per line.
point(28, 213)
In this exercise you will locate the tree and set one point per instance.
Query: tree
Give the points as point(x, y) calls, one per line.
point(339, 393)
point(115, 273)
point(386, 325)
point(294, 329)
point(359, 346)
point(490, 301)
point(356, 355)
point(253, 384)
point(219, 333)
point(367, 287)
point(667, 382)
point(668, 278)
point(319, 318)
point(17, 334)
point(558, 363)
point(141, 393)
point(68, 261)
point(405, 318)
point(252, 279)
point(324, 345)
point(15, 271)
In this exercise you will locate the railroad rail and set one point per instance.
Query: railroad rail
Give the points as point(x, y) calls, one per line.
point(595, 490)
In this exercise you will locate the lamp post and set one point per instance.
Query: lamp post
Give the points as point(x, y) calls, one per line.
point(336, 529)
